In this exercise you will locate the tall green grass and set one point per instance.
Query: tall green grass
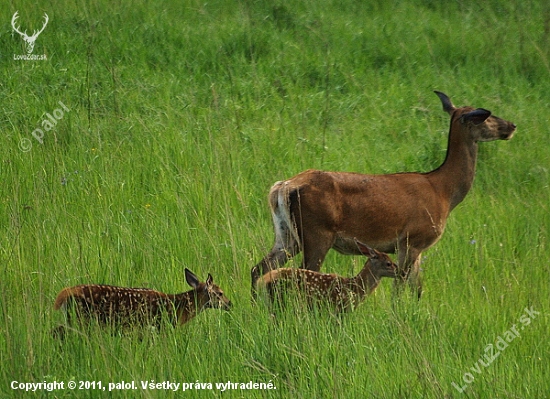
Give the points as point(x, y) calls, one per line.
point(182, 114)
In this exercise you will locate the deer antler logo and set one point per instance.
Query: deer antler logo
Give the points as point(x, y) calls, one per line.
point(29, 40)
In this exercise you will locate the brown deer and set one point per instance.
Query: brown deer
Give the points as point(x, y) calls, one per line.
point(342, 294)
point(126, 307)
point(402, 212)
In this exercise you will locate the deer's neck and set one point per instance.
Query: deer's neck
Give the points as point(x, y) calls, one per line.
point(455, 176)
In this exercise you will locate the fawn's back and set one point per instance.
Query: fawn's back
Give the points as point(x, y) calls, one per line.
point(118, 305)
point(314, 287)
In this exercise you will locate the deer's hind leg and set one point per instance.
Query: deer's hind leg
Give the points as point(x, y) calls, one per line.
point(315, 249)
point(285, 247)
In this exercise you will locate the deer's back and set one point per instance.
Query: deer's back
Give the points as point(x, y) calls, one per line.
point(376, 209)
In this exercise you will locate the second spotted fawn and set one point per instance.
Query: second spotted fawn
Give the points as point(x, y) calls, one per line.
point(342, 294)
point(120, 306)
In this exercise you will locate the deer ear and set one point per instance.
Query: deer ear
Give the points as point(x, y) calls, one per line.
point(477, 116)
point(192, 280)
point(365, 249)
point(448, 106)
point(209, 280)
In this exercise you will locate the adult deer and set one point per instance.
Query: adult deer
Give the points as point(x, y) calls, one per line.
point(341, 294)
point(126, 307)
point(402, 212)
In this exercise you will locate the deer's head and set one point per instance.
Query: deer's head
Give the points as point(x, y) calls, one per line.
point(209, 294)
point(478, 121)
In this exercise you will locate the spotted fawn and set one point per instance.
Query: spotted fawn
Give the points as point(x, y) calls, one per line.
point(342, 294)
point(121, 306)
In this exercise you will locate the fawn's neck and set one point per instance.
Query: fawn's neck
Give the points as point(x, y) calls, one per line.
point(187, 305)
point(364, 283)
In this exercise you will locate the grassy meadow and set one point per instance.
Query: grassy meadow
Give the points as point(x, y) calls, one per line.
point(182, 114)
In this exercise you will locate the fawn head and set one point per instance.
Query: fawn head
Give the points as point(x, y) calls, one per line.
point(210, 295)
point(381, 264)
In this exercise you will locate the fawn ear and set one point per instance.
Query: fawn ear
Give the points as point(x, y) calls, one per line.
point(192, 280)
point(209, 280)
point(366, 250)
